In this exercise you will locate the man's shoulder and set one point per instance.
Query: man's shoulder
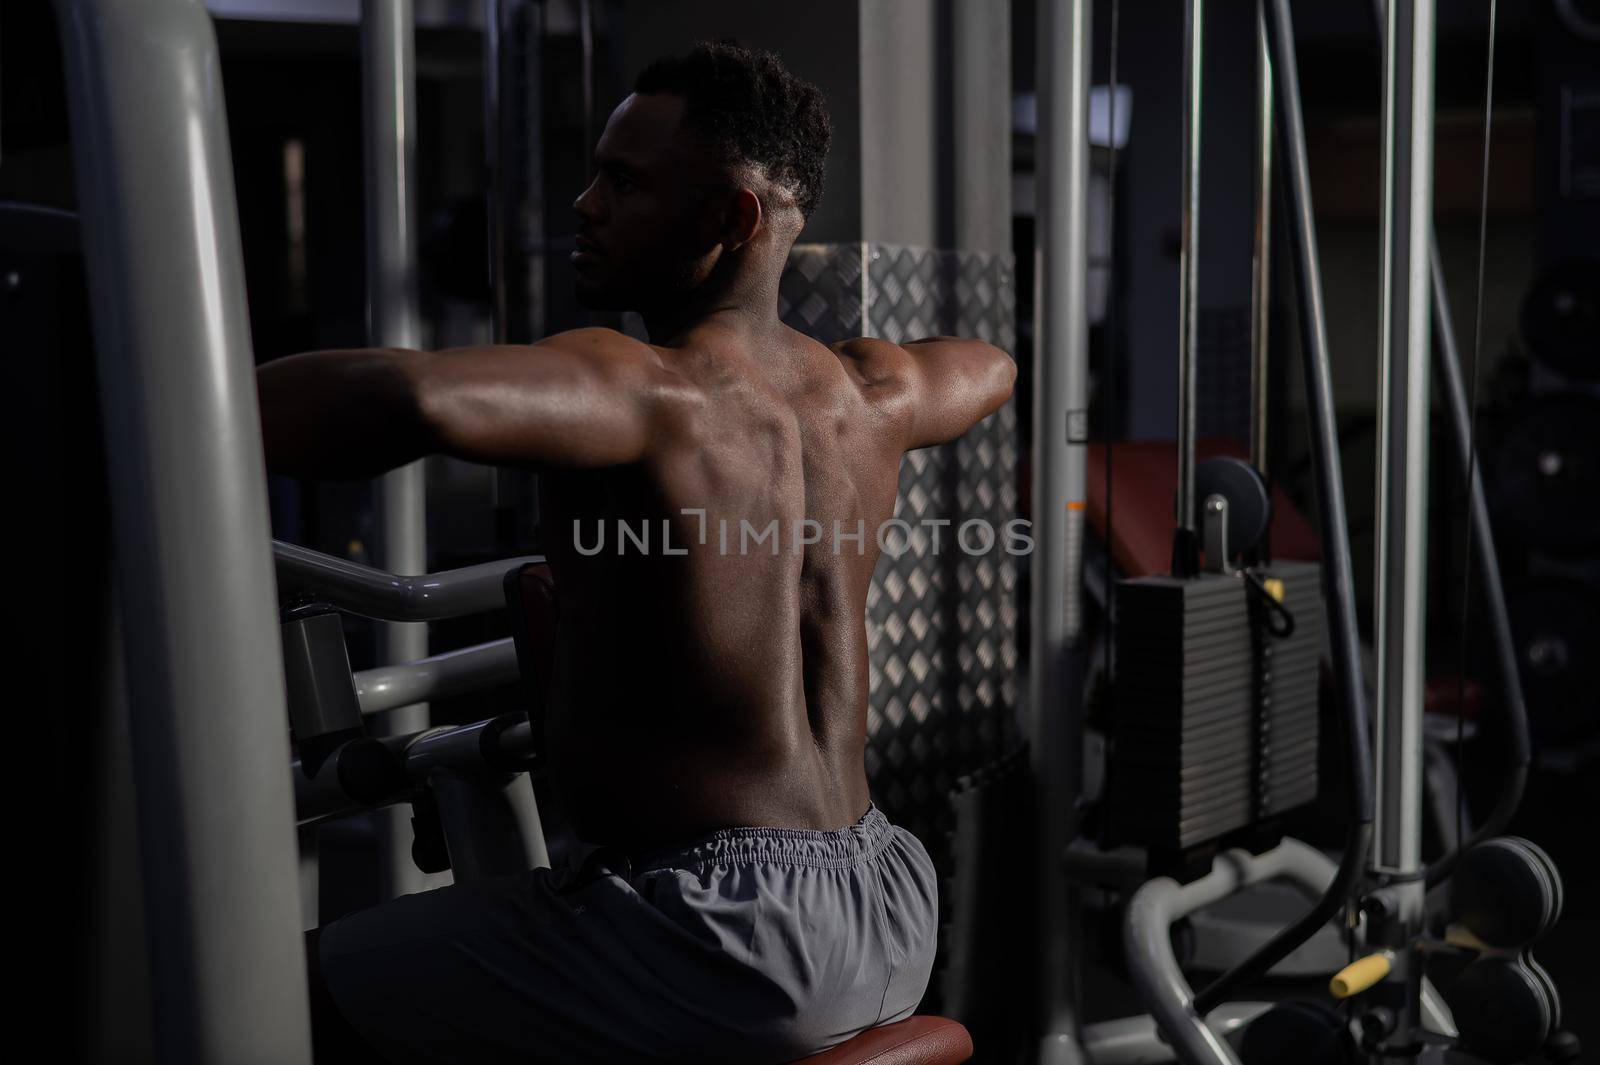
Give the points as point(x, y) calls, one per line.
point(876, 366)
point(601, 342)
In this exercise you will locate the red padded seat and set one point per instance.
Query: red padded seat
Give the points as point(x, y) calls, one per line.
point(917, 1041)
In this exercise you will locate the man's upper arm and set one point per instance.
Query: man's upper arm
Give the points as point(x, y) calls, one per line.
point(932, 390)
point(585, 398)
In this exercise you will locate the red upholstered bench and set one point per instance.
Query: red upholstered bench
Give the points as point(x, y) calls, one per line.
point(917, 1041)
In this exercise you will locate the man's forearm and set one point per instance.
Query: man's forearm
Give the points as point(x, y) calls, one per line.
point(341, 415)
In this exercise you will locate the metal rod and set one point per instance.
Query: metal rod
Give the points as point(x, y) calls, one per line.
point(467, 669)
point(1137, 1040)
point(1403, 407)
point(374, 593)
point(1061, 438)
point(1403, 398)
point(1338, 579)
point(1185, 544)
point(216, 825)
point(1261, 264)
point(389, 121)
point(1447, 363)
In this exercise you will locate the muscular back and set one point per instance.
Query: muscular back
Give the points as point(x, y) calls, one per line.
point(726, 685)
point(711, 668)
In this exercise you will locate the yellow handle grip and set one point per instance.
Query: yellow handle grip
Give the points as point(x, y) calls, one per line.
point(1358, 976)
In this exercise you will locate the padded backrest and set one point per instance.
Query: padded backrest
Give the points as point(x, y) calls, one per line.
point(531, 600)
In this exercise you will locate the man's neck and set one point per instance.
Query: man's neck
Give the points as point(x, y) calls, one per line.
point(745, 298)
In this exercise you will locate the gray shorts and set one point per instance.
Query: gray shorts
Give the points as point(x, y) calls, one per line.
point(751, 945)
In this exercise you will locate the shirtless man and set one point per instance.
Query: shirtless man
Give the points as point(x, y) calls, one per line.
point(707, 715)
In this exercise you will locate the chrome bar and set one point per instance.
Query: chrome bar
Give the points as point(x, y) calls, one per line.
point(215, 813)
point(1060, 417)
point(1403, 410)
point(1261, 261)
point(437, 676)
point(375, 593)
point(1185, 548)
point(1138, 1041)
point(389, 129)
point(1403, 397)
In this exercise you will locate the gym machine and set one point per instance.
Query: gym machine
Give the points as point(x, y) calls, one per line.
point(472, 800)
point(1199, 637)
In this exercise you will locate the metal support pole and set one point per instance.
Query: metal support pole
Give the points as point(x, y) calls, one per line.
point(1061, 363)
point(1447, 361)
point(1403, 398)
point(389, 122)
point(1452, 391)
point(1261, 264)
point(189, 519)
point(1403, 427)
point(1185, 544)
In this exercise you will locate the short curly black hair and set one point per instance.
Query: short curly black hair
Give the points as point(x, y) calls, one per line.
point(748, 108)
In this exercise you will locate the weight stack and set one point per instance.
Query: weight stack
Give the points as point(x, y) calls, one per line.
point(1183, 731)
point(1288, 676)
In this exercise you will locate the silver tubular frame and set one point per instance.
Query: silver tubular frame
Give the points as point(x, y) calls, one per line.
point(374, 593)
point(1139, 1040)
point(439, 676)
point(1189, 265)
point(1160, 982)
point(1403, 397)
point(1261, 260)
point(389, 121)
point(1061, 360)
point(189, 523)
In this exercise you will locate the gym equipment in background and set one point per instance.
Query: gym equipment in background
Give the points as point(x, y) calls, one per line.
point(1214, 720)
point(1561, 320)
point(1556, 622)
point(1547, 471)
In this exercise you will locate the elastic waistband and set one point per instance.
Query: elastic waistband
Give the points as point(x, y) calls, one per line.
point(840, 848)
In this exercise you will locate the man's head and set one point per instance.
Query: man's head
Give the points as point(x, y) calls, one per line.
point(718, 151)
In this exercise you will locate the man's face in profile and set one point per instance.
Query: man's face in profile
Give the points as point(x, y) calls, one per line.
point(643, 232)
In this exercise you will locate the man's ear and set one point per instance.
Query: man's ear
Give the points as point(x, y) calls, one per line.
point(741, 219)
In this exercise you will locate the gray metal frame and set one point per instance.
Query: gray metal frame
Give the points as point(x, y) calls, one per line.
point(1403, 411)
point(389, 122)
point(1139, 1040)
point(1061, 361)
point(374, 593)
point(439, 676)
point(1261, 259)
point(490, 819)
point(189, 521)
point(1189, 287)
point(1154, 967)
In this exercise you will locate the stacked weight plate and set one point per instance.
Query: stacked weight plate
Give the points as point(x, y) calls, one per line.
point(1184, 767)
point(1287, 715)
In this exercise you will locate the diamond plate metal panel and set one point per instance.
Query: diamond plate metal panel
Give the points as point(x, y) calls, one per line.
point(941, 623)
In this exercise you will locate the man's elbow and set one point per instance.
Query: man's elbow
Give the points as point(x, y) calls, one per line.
point(1002, 378)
